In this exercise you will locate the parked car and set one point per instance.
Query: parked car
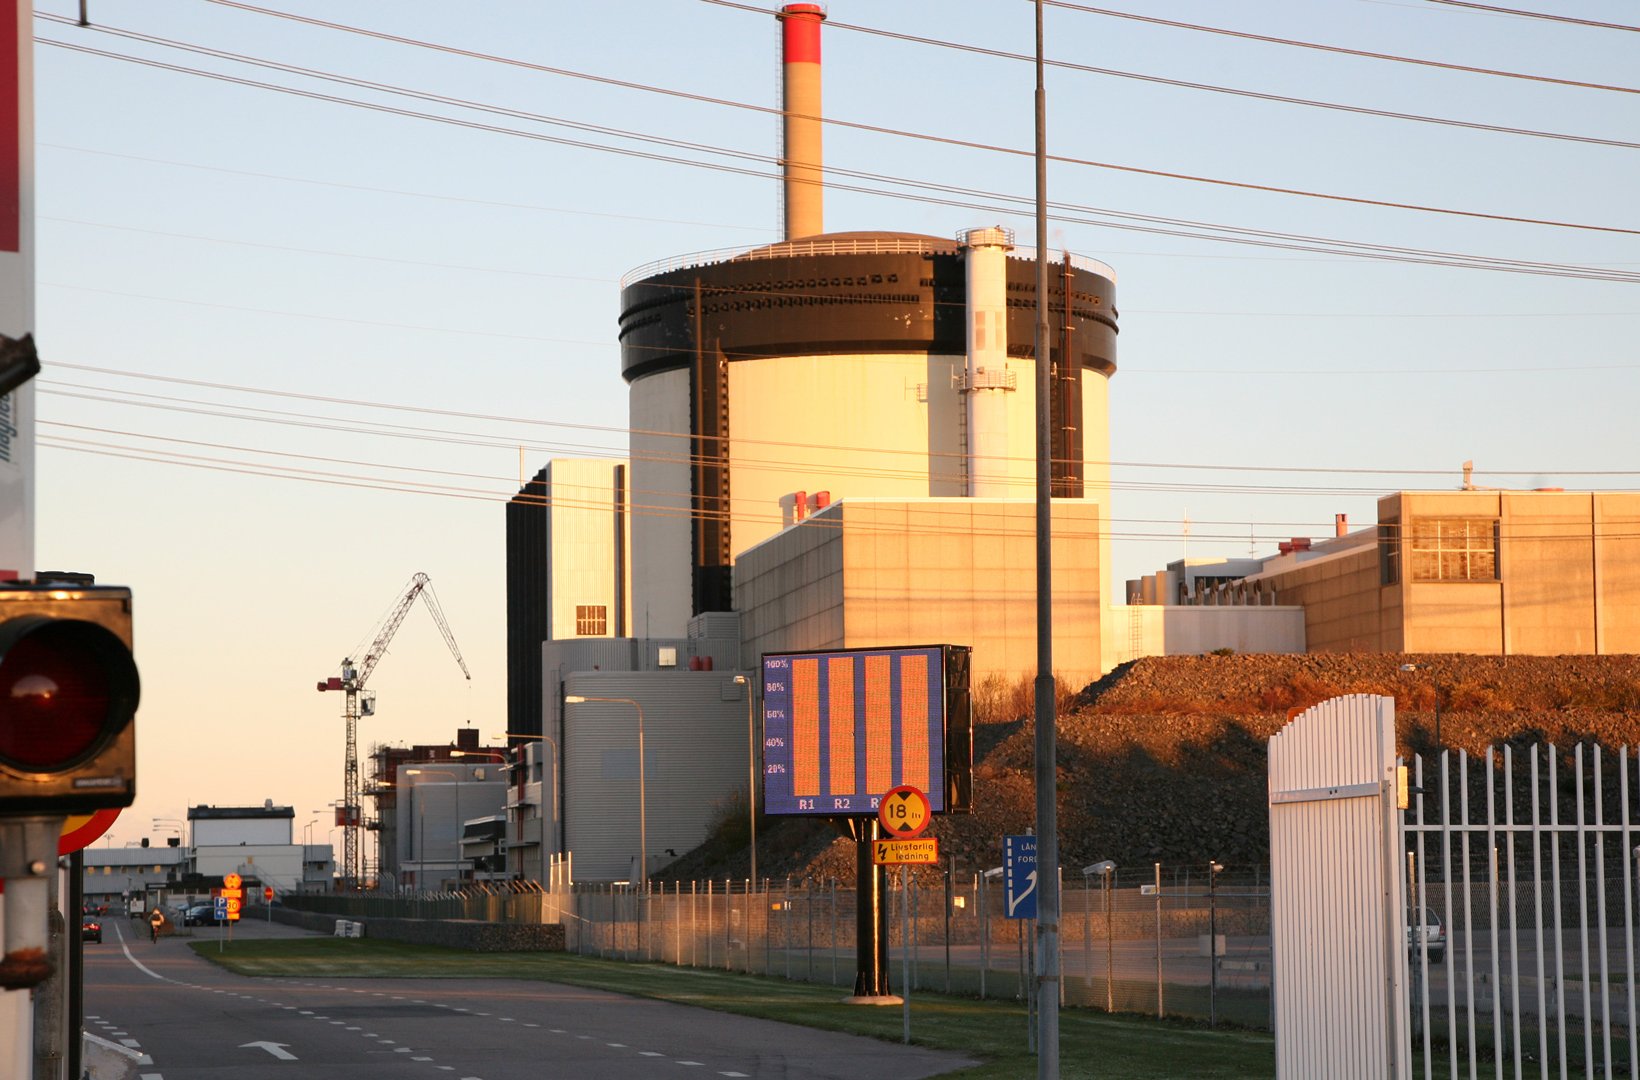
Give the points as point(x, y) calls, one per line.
point(91, 928)
point(200, 915)
point(1434, 935)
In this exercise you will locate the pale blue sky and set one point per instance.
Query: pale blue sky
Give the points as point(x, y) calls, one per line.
point(199, 229)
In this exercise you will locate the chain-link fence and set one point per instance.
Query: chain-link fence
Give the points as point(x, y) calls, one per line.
point(1124, 946)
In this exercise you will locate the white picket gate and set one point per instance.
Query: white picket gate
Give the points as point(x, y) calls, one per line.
point(1520, 877)
point(1336, 919)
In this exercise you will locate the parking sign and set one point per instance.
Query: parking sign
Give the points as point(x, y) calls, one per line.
point(1019, 875)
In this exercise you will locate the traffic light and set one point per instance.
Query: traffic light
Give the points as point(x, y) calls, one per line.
point(68, 698)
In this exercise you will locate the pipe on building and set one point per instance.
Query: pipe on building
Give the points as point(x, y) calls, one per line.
point(987, 380)
point(800, 106)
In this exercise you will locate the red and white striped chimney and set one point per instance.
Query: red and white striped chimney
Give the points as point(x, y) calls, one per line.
point(800, 104)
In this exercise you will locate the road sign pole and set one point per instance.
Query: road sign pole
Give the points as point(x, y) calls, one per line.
point(905, 950)
point(871, 923)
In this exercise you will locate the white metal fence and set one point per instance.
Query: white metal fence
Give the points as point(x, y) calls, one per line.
point(1528, 863)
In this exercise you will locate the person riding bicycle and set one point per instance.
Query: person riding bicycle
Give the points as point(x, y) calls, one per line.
point(156, 919)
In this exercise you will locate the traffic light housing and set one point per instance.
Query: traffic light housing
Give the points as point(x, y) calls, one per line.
point(68, 698)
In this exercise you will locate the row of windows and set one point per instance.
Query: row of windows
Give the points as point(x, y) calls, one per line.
point(591, 620)
point(1440, 549)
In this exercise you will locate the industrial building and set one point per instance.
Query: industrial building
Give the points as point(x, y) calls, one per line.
point(1494, 573)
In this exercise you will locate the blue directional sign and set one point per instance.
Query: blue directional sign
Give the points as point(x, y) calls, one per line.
point(1019, 875)
point(220, 904)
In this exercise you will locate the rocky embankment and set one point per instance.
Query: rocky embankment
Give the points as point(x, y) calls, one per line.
point(1163, 760)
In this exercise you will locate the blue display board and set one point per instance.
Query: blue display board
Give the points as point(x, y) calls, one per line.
point(840, 729)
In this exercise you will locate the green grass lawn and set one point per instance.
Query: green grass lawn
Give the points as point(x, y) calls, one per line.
point(1091, 1044)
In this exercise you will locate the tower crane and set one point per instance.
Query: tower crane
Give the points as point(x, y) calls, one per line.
point(360, 702)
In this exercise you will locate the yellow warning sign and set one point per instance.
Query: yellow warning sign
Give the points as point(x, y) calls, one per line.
point(905, 852)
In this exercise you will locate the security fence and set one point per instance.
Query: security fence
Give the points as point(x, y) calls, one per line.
point(1125, 946)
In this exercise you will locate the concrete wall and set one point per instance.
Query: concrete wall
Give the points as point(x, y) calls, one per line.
point(696, 744)
point(448, 933)
point(1139, 630)
point(871, 572)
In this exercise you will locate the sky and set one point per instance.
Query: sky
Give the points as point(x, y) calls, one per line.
point(313, 298)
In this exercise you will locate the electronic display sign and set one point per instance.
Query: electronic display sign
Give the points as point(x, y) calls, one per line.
point(842, 728)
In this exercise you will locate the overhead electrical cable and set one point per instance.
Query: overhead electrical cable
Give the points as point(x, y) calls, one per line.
point(1256, 95)
point(899, 133)
point(1124, 221)
point(1336, 49)
point(54, 386)
point(1570, 20)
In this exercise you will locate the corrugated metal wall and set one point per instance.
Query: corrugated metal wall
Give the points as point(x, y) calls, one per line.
point(696, 746)
point(1337, 923)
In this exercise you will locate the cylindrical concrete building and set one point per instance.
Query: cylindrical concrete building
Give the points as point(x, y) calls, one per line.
point(841, 364)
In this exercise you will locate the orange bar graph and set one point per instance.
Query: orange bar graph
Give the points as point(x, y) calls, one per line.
point(914, 721)
point(840, 671)
point(879, 726)
point(805, 727)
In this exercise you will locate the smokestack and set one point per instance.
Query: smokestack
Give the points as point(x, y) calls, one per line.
point(800, 63)
point(1341, 524)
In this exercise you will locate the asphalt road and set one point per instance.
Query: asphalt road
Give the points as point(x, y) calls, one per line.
point(191, 1019)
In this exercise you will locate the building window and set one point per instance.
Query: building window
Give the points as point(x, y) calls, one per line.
point(1454, 549)
point(591, 620)
point(1389, 553)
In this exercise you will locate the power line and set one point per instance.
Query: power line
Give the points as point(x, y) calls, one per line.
point(53, 386)
point(1125, 221)
point(899, 133)
point(1255, 95)
point(1336, 49)
point(1538, 15)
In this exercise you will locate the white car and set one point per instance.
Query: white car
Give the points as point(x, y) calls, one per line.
point(1434, 935)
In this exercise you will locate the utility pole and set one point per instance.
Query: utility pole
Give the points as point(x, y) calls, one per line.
point(1047, 746)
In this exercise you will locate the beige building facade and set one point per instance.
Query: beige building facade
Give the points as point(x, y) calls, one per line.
point(1541, 573)
point(889, 572)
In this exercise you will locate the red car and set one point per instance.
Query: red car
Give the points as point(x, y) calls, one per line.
point(91, 929)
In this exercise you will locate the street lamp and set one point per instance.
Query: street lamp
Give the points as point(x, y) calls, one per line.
point(1214, 869)
point(1437, 684)
point(1105, 868)
point(751, 771)
point(643, 813)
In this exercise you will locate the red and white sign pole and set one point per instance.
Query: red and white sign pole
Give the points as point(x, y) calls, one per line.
point(16, 282)
point(16, 408)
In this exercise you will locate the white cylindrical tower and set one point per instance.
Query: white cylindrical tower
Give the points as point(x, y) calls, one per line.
point(987, 380)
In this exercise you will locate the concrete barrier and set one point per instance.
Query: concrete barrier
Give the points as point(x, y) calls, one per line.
point(471, 935)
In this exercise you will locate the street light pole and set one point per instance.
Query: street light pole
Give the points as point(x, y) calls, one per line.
point(1213, 870)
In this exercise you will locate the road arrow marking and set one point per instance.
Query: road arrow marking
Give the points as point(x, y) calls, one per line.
point(276, 1049)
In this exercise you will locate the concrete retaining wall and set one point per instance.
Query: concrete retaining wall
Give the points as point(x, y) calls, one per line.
point(449, 933)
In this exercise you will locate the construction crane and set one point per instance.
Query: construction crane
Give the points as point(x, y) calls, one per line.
point(361, 702)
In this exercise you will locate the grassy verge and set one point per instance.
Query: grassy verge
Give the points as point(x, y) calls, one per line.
point(1092, 1045)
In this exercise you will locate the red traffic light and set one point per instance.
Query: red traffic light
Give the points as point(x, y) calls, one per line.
point(66, 688)
point(68, 696)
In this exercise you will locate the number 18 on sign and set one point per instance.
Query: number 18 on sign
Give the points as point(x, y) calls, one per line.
point(1019, 875)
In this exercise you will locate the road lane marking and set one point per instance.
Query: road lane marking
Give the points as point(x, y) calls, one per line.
point(681, 1062)
point(421, 1059)
point(733, 1074)
point(276, 1049)
point(650, 1053)
point(132, 1043)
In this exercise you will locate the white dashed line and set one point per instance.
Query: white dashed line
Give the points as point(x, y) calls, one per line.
point(558, 1031)
point(650, 1053)
point(691, 1062)
point(401, 1050)
point(618, 1046)
point(733, 1074)
point(132, 1043)
point(421, 1059)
